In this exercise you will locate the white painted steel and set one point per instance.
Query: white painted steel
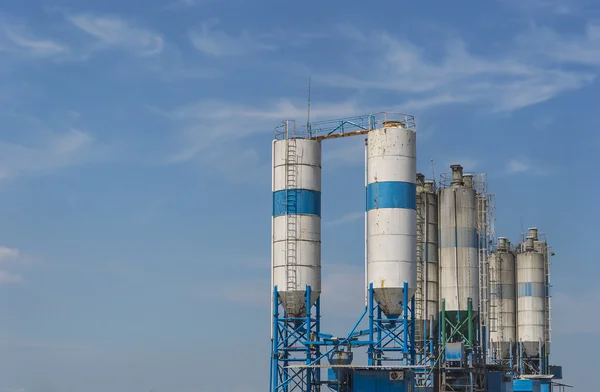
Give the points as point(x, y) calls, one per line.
point(391, 232)
point(307, 227)
point(531, 308)
point(459, 261)
point(503, 300)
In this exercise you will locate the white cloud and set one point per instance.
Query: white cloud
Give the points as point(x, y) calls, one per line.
point(219, 43)
point(216, 130)
point(504, 82)
point(8, 256)
point(18, 40)
point(214, 42)
point(54, 151)
point(112, 31)
point(577, 49)
point(516, 166)
point(347, 218)
point(525, 165)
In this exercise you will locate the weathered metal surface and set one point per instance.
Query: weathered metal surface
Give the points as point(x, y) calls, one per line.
point(296, 239)
point(391, 215)
point(458, 244)
point(503, 334)
point(531, 290)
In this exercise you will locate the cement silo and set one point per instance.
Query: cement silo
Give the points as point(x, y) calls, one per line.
point(296, 226)
point(391, 214)
point(458, 244)
point(531, 298)
point(502, 302)
point(427, 295)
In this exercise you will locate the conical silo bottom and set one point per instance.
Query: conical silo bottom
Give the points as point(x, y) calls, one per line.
point(294, 302)
point(390, 300)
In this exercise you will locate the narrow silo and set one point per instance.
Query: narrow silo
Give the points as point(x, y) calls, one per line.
point(458, 244)
point(391, 215)
point(531, 297)
point(502, 301)
point(427, 296)
point(296, 225)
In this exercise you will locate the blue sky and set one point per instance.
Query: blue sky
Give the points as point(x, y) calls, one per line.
point(135, 194)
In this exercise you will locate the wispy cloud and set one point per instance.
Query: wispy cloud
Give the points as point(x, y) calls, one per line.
point(211, 41)
point(208, 124)
point(56, 150)
point(347, 218)
point(8, 257)
point(525, 165)
point(114, 31)
point(19, 39)
point(581, 49)
point(460, 76)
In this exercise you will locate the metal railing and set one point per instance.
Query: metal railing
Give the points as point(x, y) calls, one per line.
point(347, 126)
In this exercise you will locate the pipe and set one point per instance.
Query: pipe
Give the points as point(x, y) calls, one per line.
point(470, 321)
point(366, 216)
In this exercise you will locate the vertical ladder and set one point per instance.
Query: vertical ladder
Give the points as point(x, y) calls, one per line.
point(419, 294)
point(291, 196)
point(548, 329)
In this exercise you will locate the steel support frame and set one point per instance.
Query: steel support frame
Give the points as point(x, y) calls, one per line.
point(471, 376)
point(293, 343)
point(391, 339)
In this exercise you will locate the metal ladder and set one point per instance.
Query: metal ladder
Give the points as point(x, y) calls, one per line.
point(548, 274)
point(419, 294)
point(291, 217)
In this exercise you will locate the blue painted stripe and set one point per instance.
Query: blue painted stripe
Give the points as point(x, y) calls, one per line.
point(467, 238)
point(530, 289)
point(297, 202)
point(391, 194)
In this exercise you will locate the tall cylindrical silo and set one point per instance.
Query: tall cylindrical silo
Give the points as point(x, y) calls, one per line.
point(458, 244)
point(427, 296)
point(391, 215)
point(296, 222)
point(531, 297)
point(502, 301)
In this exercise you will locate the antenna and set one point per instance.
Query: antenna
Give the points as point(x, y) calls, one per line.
point(308, 118)
point(433, 172)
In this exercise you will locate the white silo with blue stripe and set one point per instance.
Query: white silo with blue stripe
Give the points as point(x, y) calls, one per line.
point(296, 225)
point(391, 215)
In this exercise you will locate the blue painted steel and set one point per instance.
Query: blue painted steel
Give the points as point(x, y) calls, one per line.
point(556, 371)
point(531, 289)
point(306, 202)
point(454, 352)
point(458, 237)
point(295, 341)
point(391, 194)
point(526, 385)
point(499, 382)
point(379, 380)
